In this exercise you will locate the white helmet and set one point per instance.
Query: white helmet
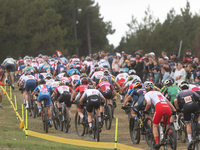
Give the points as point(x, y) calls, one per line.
point(148, 85)
point(49, 75)
point(121, 70)
point(132, 71)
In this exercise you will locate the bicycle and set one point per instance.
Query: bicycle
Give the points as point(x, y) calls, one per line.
point(144, 127)
point(55, 117)
point(81, 125)
point(195, 131)
point(64, 118)
point(107, 116)
point(96, 129)
point(167, 139)
point(44, 116)
point(182, 130)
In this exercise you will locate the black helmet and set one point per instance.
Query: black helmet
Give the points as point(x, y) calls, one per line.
point(184, 85)
point(42, 81)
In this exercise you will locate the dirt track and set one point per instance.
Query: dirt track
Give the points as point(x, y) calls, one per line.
point(105, 136)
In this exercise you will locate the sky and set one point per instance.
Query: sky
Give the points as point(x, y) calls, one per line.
point(120, 12)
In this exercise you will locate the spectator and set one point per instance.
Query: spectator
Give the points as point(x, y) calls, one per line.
point(188, 73)
point(132, 63)
point(174, 57)
point(179, 74)
point(139, 65)
point(196, 61)
point(110, 59)
point(194, 69)
point(187, 59)
point(116, 64)
point(172, 69)
point(156, 76)
point(166, 74)
point(164, 55)
point(155, 63)
point(103, 63)
point(197, 78)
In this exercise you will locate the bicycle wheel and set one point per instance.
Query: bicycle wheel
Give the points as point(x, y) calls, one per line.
point(35, 109)
point(108, 117)
point(45, 120)
point(182, 131)
point(148, 129)
point(80, 127)
point(66, 120)
point(96, 128)
point(171, 138)
point(134, 130)
point(55, 118)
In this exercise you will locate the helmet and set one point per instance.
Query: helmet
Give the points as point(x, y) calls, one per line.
point(52, 59)
point(84, 81)
point(40, 55)
point(75, 72)
point(96, 65)
point(58, 62)
point(130, 78)
point(190, 81)
point(42, 81)
point(20, 57)
point(49, 75)
point(62, 82)
point(148, 85)
point(137, 85)
point(57, 78)
point(71, 66)
point(121, 70)
point(25, 71)
point(184, 85)
point(83, 75)
point(132, 71)
point(104, 77)
point(91, 86)
point(169, 80)
point(76, 62)
point(196, 95)
point(106, 72)
point(33, 60)
point(97, 69)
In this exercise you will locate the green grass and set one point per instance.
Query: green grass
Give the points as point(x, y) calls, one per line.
point(11, 137)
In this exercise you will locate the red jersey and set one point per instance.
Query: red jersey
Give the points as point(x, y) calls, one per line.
point(105, 86)
point(81, 88)
point(20, 60)
point(66, 79)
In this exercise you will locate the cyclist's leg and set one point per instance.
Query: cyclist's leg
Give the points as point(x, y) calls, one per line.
point(68, 104)
point(80, 107)
point(89, 108)
point(48, 104)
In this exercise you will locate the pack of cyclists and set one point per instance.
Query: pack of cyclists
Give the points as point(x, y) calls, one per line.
point(91, 83)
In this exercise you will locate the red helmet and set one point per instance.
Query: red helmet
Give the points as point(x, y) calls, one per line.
point(84, 81)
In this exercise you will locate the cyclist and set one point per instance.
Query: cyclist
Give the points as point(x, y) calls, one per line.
point(10, 65)
point(46, 67)
point(2, 75)
point(58, 68)
point(80, 89)
point(162, 108)
point(184, 100)
point(21, 68)
point(71, 69)
point(44, 94)
point(74, 78)
point(49, 79)
point(29, 83)
point(56, 82)
point(93, 101)
point(65, 96)
point(138, 105)
point(97, 75)
point(107, 91)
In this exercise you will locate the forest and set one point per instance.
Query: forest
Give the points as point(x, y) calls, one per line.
point(31, 27)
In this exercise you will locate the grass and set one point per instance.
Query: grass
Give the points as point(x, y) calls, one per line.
point(11, 137)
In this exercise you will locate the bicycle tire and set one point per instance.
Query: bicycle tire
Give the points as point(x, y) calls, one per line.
point(96, 129)
point(149, 133)
point(66, 120)
point(182, 131)
point(78, 123)
point(134, 132)
point(108, 117)
point(34, 111)
point(172, 139)
point(45, 121)
point(54, 117)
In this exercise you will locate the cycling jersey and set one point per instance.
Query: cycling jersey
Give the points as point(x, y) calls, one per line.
point(71, 71)
point(42, 75)
point(75, 78)
point(74, 60)
point(49, 82)
point(181, 97)
point(81, 88)
point(34, 65)
point(59, 69)
point(1, 78)
point(19, 62)
point(121, 77)
point(105, 86)
point(61, 74)
point(29, 77)
point(21, 68)
point(104, 64)
point(171, 92)
point(52, 64)
point(29, 68)
point(46, 67)
point(193, 87)
point(135, 77)
point(66, 79)
point(55, 84)
point(39, 60)
point(9, 61)
point(63, 88)
point(164, 88)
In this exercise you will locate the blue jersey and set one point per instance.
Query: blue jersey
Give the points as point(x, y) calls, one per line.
point(137, 92)
point(21, 68)
point(44, 89)
point(59, 68)
point(71, 71)
point(45, 67)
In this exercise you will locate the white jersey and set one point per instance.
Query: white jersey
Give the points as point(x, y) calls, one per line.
point(63, 88)
point(55, 84)
point(49, 82)
point(73, 60)
point(29, 77)
point(97, 75)
point(104, 64)
point(134, 77)
point(34, 65)
point(121, 76)
point(91, 92)
point(75, 78)
point(155, 97)
point(22, 76)
point(61, 74)
point(43, 74)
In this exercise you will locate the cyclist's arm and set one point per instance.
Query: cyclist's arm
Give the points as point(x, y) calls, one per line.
point(148, 100)
point(170, 104)
point(156, 88)
point(176, 103)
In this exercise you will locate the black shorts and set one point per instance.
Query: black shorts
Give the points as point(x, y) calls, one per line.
point(84, 102)
point(10, 67)
point(65, 97)
point(189, 108)
point(92, 102)
point(107, 94)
